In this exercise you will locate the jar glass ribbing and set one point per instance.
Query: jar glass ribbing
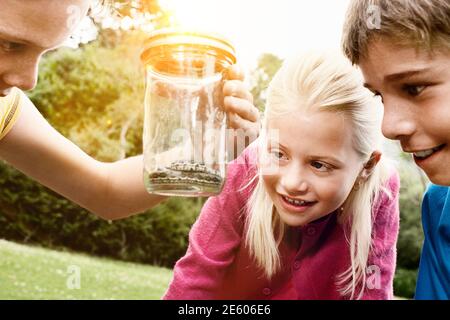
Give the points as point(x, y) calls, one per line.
point(184, 124)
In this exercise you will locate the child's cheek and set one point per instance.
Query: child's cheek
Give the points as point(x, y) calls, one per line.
point(268, 166)
point(270, 182)
point(335, 191)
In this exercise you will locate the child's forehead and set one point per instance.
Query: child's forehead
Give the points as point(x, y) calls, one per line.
point(43, 23)
point(327, 134)
point(389, 62)
point(382, 49)
point(315, 125)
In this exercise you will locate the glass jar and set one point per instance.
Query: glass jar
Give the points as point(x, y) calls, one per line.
point(185, 126)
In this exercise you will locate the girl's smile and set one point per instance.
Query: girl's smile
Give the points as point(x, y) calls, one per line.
point(318, 158)
point(296, 205)
point(314, 164)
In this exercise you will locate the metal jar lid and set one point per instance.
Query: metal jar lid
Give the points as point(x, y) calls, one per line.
point(170, 37)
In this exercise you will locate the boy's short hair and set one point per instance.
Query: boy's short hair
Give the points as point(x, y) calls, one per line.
point(423, 24)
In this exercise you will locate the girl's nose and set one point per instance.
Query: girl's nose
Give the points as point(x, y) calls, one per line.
point(294, 181)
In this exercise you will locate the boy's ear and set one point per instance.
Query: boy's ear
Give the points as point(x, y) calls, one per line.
point(370, 165)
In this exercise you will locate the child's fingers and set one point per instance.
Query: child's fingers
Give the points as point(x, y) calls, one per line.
point(238, 89)
point(235, 72)
point(240, 134)
point(241, 107)
point(245, 129)
point(234, 121)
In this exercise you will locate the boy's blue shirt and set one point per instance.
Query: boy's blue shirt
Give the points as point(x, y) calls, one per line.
point(433, 282)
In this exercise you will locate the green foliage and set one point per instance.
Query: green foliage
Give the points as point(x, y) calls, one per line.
point(411, 234)
point(139, 10)
point(32, 213)
point(405, 283)
point(268, 65)
point(94, 96)
point(410, 240)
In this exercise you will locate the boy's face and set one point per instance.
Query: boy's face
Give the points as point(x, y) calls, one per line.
point(415, 88)
point(27, 30)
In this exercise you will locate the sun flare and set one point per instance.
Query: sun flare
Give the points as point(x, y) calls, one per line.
point(254, 27)
point(202, 15)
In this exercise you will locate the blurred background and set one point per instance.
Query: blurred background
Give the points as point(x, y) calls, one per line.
point(91, 90)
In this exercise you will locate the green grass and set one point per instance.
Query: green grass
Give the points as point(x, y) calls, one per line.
point(28, 272)
point(35, 273)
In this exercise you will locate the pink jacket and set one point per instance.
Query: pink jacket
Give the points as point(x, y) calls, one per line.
point(217, 265)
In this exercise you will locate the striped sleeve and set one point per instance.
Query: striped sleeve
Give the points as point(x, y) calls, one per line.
point(9, 111)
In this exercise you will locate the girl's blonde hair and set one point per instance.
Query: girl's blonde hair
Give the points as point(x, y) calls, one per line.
point(324, 82)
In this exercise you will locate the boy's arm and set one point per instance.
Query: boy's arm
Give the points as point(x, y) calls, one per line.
point(109, 190)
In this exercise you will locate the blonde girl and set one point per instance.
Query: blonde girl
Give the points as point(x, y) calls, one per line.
point(310, 210)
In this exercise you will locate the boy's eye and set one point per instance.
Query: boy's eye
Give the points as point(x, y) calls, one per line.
point(413, 90)
point(320, 166)
point(9, 46)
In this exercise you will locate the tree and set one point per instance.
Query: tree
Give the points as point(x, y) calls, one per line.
point(94, 96)
point(130, 14)
point(268, 65)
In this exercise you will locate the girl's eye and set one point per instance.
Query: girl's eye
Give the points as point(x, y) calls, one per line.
point(322, 167)
point(9, 46)
point(413, 90)
point(278, 155)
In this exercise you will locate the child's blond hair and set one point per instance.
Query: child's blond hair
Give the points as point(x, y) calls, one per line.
point(421, 24)
point(327, 83)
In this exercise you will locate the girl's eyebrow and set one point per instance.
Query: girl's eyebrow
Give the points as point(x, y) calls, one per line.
point(274, 142)
point(328, 159)
point(331, 159)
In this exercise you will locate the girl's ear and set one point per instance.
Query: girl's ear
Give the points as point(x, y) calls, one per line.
point(370, 165)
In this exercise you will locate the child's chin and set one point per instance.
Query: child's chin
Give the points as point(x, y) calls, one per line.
point(440, 178)
point(293, 220)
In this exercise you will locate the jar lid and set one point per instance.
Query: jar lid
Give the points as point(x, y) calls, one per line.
point(177, 37)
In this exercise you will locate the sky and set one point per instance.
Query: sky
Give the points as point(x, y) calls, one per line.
point(281, 27)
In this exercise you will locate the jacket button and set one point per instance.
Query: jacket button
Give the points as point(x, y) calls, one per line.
point(311, 231)
point(266, 291)
point(296, 265)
